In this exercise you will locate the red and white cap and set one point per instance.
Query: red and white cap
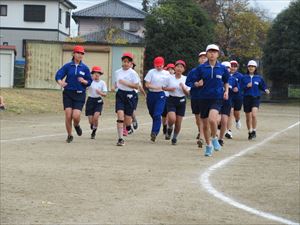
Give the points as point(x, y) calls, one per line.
point(180, 62)
point(159, 61)
point(97, 69)
point(234, 62)
point(128, 55)
point(226, 64)
point(170, 65)
point(78, 48)
point(252, 63)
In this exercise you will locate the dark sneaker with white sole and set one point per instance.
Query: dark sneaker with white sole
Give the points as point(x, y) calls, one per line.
point(69, 139)
point(78, 130)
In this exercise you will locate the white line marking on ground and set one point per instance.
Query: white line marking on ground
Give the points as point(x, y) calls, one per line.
point(204, 180)
point(61, 134)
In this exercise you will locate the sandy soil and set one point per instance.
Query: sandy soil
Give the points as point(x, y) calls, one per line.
point(44, 180)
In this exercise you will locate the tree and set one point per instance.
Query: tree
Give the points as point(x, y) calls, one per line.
point(145, 5)
point(282, 51)
point(176, 29)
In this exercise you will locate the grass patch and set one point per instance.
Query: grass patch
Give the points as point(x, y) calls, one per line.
point(37, 101)
point(294, 92)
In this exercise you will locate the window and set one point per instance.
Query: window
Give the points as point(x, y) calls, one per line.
point(67, 19)
point(34, 13)
point(59, 15)
point(126, 25)
point(3, 10)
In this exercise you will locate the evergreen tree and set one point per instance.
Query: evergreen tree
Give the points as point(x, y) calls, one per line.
point(177, 29)
point(281, 58)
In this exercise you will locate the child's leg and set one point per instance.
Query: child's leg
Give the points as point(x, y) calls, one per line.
point(237, 115)
point(229, 121)
point(213, 121)
point(171, 121)
point(249, 121)
point(177, 126)
point(254, 117)
point(95, 120)
point(90, 121)
point(224, 121)
point(120, 122)
point(68, 120)
point(127, 122)
point(206, 130)
point(76, 116)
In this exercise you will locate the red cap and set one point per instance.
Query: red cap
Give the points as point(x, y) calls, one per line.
point(78, 48)
point(180, 62)
point(159, 61)
point(127, 54)
point(97, 69)
point(234, 62)
point(170, 65)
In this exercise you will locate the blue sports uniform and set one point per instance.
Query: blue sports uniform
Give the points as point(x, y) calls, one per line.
point(227, 104)
point(74, 92)
point(212, 92)
point(194, 92)
point(252, 94)
point(237, 98)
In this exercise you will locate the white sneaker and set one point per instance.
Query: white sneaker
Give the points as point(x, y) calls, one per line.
point(238, 125)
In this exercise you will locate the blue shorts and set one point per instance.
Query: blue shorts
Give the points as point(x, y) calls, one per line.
point(195, 105)
point(125, 102)
point(237, 104)
point(177, 105)
point(93, 105)
point(207, 104)
point(73, 99)
point(226, 107)
point(165, 112)
point(250, 102)
point(135, 100)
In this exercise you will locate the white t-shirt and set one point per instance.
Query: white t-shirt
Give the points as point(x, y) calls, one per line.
point(100, 85)
point(157, 78)
point(175, 83)
point(128, 75)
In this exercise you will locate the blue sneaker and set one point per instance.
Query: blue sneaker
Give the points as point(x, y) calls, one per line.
point(208, 150)
point(216, 144)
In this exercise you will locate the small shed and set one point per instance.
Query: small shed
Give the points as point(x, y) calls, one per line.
point(7, 60)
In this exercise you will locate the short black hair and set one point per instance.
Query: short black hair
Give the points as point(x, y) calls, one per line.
point(129, 59)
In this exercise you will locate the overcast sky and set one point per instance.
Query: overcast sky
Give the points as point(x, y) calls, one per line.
point(273, 7)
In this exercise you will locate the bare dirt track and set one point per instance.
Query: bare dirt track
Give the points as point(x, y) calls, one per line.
point(44, 180)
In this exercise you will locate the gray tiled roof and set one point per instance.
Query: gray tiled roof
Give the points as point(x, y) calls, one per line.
point(99, 36)
point(112, 9)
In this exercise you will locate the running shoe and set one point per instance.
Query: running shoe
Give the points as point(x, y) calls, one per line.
point(135, 124)
point(78, 130)
point(120, 142)
point(253, 134)
point(169, 133)
point(238, 125)
point(250, 136)
point(200, 143)
point(228, 134)
point(208, 150)
point(93, 134)
point(198, 136)
point(174, 141)
point(130, 131)
point(69, 139)
point(221, 142)
point(153, 137)
point(215, 143)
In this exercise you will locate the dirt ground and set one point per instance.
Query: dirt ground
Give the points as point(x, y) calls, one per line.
point(44, 180)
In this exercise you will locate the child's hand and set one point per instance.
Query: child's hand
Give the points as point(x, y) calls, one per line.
point(199, 83)
point(226, 95)
point(249, 85)
point(82, 80)
point(62, 84)
point(267, 91)
point(235, 89)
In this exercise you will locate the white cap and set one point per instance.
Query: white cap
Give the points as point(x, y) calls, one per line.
point(202, 53)
point(226, 64)
point(252, 63)
point(212, 47)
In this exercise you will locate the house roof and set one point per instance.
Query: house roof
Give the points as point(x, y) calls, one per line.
point(9, 47)
point(99, 36)
point(111, 9)
point(68, 3)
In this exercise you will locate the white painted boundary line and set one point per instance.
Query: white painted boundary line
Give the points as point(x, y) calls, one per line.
point(61, 134)
point(204, 180)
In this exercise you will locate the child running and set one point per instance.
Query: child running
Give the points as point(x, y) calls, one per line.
point(227, 104)
point(237, 98)
point(252, 84)
point(77, 78)
point(94, 104)
point(170, 67)
point(155, 81)
point(126, 81)
point(212, 77)
point(176, 102)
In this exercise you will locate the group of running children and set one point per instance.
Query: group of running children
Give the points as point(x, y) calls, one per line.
point(217, 92)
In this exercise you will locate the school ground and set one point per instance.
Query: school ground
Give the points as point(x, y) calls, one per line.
point(44, 180)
